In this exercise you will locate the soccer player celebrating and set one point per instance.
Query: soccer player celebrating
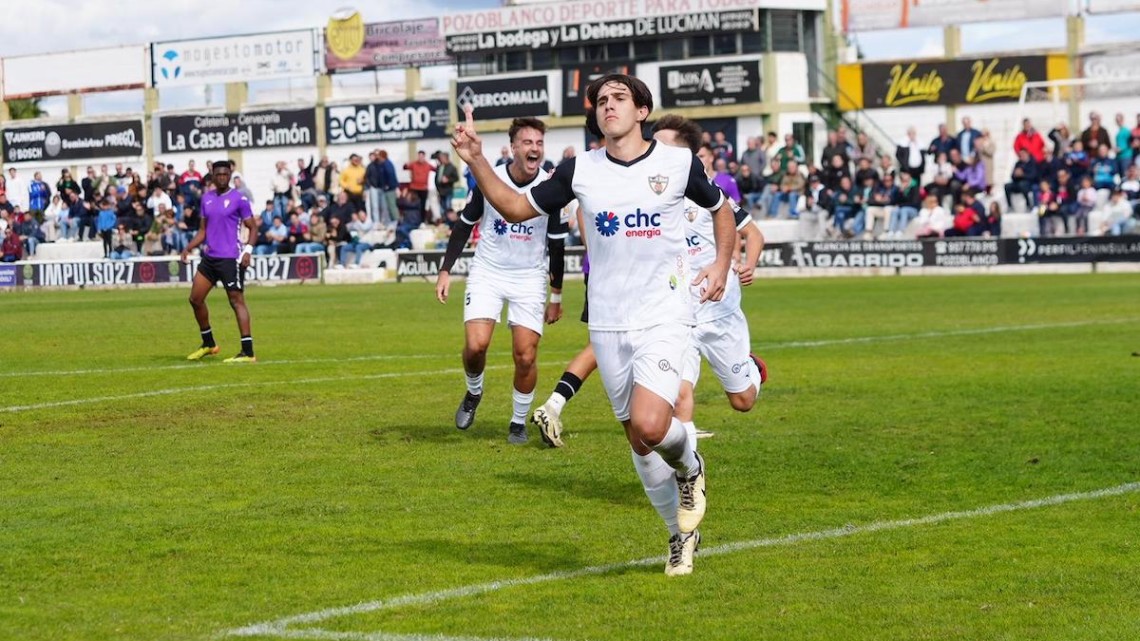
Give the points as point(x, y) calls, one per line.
point(721, 334)
point(634, 194)
point(510, 266)
point(224, 260)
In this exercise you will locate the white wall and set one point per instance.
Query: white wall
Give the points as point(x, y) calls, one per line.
point(793, 83)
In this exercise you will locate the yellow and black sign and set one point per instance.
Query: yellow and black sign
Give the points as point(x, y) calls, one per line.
point(944, 82)
point(345, 34)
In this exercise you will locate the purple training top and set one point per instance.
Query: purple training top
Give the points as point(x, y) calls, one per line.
point(222, 215)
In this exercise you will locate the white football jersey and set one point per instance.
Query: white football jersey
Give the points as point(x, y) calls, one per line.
point(507, 246)
point(702, 253)
point(635, 229)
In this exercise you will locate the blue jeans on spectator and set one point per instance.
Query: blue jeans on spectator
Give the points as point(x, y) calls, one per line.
point(265, 250)
point(68, 228)
point(353, 247)
point(445, 202)
point(790, 197)
point(309, 248)
point(281, 206)
point(901, 217)
point(1123, 227)
point(842, 214)
point(122, 255)
point(752, 199)
point(30, 244)
point(377, 205)
point(766, 197)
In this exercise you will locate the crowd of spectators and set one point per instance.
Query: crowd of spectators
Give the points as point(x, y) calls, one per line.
point(945, 187)
point(316, 207)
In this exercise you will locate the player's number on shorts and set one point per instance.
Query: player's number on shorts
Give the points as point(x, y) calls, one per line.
point(466, 299)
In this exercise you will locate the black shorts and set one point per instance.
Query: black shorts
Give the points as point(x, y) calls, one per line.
point(586, 299)
point(226, 271)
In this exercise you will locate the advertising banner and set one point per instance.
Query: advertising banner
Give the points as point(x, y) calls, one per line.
point(384, 122)
point(351, 45)
point(576, 78)
point(713, 83)
point(111, 139)
point(1120, 71)
point(869, 15)
point(1112, 6)
point(49, 74)
point(535, 26)
point(505, 97)
point(263, 56)
point(1071, 250)
point(150, 271)
point(426, 264)
point(950, 82)
point(251, 130)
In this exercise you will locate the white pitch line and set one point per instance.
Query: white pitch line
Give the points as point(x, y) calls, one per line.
point(764, 346)
point(331, 635)
point(263, 363)
point(947, 334)
point(207, 388)
point(279, 627)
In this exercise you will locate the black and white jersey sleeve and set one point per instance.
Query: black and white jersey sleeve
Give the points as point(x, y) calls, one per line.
point(548, 198)
point(699, 190)
point(474, 209)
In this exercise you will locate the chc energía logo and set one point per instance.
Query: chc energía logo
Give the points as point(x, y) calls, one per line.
point(639, 224)
point(500, 227)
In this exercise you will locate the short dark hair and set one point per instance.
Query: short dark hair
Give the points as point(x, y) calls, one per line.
point(221, 164)
point(687, 131)
point(522, 123)
point(642, 97)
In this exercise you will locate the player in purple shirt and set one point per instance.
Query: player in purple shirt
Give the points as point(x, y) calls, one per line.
point(224, 260)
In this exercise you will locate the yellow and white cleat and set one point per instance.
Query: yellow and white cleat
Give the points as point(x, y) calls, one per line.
point(203, 352)
point(241, 358)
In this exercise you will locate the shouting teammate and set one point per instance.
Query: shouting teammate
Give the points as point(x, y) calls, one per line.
point(633, 193)
point(224, 260)
point(510, 266)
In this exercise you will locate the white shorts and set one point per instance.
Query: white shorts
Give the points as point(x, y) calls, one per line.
point(525, 298)
point(725, 344)
point(648, 357)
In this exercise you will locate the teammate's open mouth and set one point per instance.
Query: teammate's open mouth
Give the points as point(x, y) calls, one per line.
point(533, 158)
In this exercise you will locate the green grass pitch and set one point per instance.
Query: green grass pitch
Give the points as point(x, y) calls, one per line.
point(146, 498)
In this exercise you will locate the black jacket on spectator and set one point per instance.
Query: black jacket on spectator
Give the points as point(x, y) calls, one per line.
point(1029, 172)
point(831, 151)
point(863, 174)
point(902, 156)
point(911, 196)
point(830, 176)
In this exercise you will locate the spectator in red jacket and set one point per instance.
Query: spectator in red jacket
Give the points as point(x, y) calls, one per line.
point(421, 170)
point(11, 250)
point(1031, 141)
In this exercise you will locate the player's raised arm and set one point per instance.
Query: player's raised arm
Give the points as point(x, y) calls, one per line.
point(511, 205)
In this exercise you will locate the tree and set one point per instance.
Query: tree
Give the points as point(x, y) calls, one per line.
point(25, 108)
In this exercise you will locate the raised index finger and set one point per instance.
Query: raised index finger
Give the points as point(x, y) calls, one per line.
point(469, 111)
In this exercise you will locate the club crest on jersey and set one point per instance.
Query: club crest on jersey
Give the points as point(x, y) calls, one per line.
point(658, 183)
point(690, 214)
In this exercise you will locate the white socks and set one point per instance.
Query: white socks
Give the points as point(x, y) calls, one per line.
point(676, 450)
point(556, 402)
point(691, 434)
point(660, 485)
point(522, 406)
point(475, 383)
